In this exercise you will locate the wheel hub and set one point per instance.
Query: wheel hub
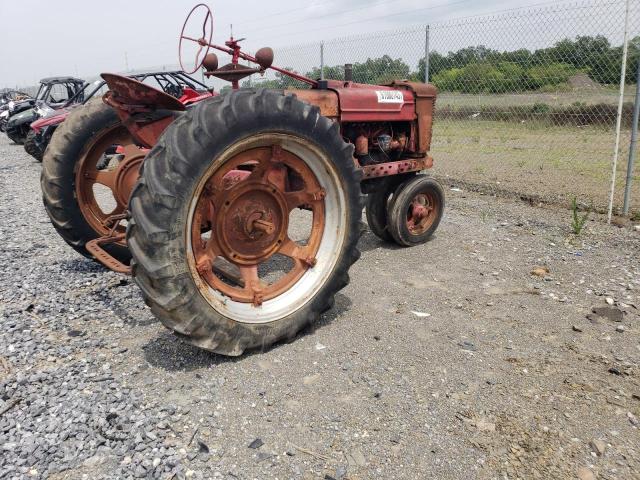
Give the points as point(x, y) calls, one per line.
point(252, 222)
point(420, 214)
point(127, 175)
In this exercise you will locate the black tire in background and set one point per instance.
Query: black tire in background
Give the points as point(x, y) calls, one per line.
point(160, 203)
point(16, 137)
point(57, 180)
point(399, 206)
point(31, 146)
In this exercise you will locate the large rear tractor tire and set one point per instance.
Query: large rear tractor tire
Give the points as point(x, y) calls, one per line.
point(31, 146)
point(214, 231)
point(73, 164)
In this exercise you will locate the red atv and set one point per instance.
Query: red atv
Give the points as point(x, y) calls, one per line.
point(241, 222)
point(176, 83)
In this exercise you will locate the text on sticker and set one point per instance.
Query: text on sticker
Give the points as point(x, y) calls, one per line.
point(389, 96)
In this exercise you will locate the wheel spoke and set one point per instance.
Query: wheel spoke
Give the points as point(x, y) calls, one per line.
point(212, 247)
point(252, 283)
point(249, 274)
point(104, 177)
point(297, 252)
point(303, 197)
point(198, 54)
point(270, 167)
point(130, 150)
point(203, 220)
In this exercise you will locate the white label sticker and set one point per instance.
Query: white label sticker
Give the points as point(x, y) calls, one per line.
point(390, 96)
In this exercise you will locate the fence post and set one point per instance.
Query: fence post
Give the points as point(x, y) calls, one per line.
point(623, 72)
point(632, 144)
point(322, 60)
point(426, 55)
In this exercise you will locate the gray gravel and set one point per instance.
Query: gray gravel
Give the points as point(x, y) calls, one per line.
point(449, 360)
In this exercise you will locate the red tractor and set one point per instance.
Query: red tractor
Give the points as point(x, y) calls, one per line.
point(239, 217)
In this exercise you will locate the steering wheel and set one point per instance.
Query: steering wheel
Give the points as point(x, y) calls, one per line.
point(203, 41)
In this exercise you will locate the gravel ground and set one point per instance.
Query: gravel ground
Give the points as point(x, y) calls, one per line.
point(449, 360)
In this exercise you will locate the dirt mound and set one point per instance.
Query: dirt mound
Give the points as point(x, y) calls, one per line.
point(582, 80)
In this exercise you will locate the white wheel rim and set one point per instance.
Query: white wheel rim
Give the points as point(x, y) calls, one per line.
point(333, 237)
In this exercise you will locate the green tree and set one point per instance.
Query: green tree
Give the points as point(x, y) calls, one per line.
point(330, 73)
point(380, 70)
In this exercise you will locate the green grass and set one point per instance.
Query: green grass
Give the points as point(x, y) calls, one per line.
point(555, 162)
point(604, 94)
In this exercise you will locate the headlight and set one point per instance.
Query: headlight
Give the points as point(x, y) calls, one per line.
point(11, 105)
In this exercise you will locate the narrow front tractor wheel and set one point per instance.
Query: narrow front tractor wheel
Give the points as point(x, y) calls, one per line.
point(245, 220)
point(415, 211)
point(377, 204)
point(85, 182)
point(376, 210)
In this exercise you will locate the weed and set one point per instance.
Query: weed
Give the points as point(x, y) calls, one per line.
point(577, 224)
point(485, 215)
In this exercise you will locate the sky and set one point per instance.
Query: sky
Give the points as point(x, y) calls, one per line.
point(41, 38)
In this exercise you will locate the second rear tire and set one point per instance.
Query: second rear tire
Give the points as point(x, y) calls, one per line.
point(58, 179)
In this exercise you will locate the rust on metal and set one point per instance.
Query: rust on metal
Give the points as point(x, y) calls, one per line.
point(95, 248)
point(425, 95)
point(423, 211)
point(128, 93)
point(93, 168)
point(394, 168)
point(146, 133)
point(114, 236)
point(243, 219)
point(210, 62)
point(326, 100)
point(264, 57)
point(232, 72)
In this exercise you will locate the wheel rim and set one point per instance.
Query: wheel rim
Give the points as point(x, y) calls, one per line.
point(240, 221)
point(422, 212)
point(116, 179)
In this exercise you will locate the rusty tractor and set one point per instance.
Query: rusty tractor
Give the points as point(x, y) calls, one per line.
point(239, 216)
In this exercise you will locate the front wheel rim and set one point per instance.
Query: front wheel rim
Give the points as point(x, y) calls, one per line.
point(239, 215)
point(422, 212)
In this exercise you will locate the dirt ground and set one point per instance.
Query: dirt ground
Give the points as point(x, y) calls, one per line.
point(449, 360)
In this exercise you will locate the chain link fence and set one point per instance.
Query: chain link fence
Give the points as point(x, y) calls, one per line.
point(528, 98)
point(527, 102)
